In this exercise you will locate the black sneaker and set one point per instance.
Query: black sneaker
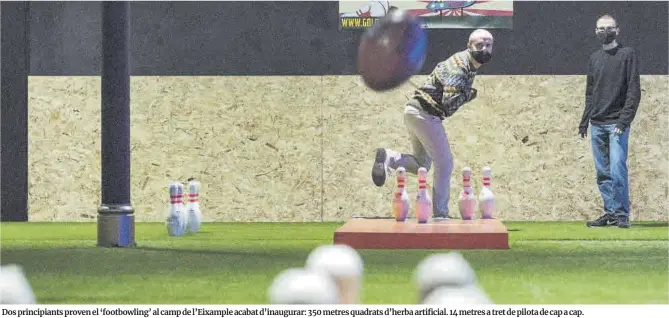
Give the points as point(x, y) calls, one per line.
point(604, 220)
point(624, 222)
point(380, 168)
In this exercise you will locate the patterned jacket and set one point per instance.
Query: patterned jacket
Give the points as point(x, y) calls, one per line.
point(448, 87)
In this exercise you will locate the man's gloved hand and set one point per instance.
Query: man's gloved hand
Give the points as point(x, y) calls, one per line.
point(620, 129)
point(472, 94)
point(583, 131)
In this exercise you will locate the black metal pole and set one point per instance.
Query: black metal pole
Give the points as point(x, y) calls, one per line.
point(116, 222)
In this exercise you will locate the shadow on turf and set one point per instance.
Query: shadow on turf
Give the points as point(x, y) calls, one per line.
point(655, 224)
point(211, 252)
point(276, 255)
point(110, 261)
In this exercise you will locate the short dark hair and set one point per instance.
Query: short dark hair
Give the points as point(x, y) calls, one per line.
point(608, 16)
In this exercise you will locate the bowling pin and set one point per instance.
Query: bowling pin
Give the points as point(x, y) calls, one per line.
point(344, 265)
point(193, 206)
point(423, 200)
point(176, 214)
point(458, 296)
point(443, 269)
point(300, 286)
point(486, 197)
point(401, 198)
point(184, 213)
point(15, 288)
point(467, 200)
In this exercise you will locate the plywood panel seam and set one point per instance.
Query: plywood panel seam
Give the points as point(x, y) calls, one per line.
point(322, 133)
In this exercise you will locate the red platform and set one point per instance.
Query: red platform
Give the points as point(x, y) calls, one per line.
point(454, 234)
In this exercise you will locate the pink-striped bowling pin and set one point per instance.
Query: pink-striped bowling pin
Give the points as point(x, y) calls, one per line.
point(486, 197)
point(467, 200)
point(176, 215)
point(193, 207)
point(401, 198)
point(423, 200)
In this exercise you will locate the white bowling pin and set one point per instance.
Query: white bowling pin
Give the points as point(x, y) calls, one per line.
point(15, 288)
point(344, 265)
point(401, 198)
point(183, 211)
point(467, 199)
point(443, 269)
point(300, 286)
point(176, 214)
point(193, 206)
point(486, 197)
point(423, 200)
point(458, 296)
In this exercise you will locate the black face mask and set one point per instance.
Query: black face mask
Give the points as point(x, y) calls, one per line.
point(606, 37)
point(481, 56)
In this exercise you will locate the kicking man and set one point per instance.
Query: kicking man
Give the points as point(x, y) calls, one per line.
point(448, 87)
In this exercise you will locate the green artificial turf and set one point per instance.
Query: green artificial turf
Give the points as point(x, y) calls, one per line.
point(226, 263)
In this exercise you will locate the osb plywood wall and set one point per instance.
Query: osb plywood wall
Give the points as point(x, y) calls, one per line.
point(301, 148)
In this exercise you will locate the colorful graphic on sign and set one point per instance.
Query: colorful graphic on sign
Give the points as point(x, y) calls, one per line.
point(435, 14)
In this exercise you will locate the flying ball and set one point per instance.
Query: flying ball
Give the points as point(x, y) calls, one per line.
point(391, 51)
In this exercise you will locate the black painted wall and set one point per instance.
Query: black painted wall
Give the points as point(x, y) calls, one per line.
point(15, 55)
point(303, 38)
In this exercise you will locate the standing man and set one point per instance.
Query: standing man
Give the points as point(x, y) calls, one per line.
point(612, 97)
point(448, 87)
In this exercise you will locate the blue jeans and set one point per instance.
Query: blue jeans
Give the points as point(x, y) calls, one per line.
point(610, 154)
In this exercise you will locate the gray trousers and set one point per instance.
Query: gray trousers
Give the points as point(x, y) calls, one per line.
point(430, 146)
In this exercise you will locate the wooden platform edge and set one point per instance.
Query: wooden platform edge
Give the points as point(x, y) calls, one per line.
point(423, 240)
point(461, 241)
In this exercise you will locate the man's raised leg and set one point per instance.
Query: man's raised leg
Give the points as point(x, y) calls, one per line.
point(387, 160)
